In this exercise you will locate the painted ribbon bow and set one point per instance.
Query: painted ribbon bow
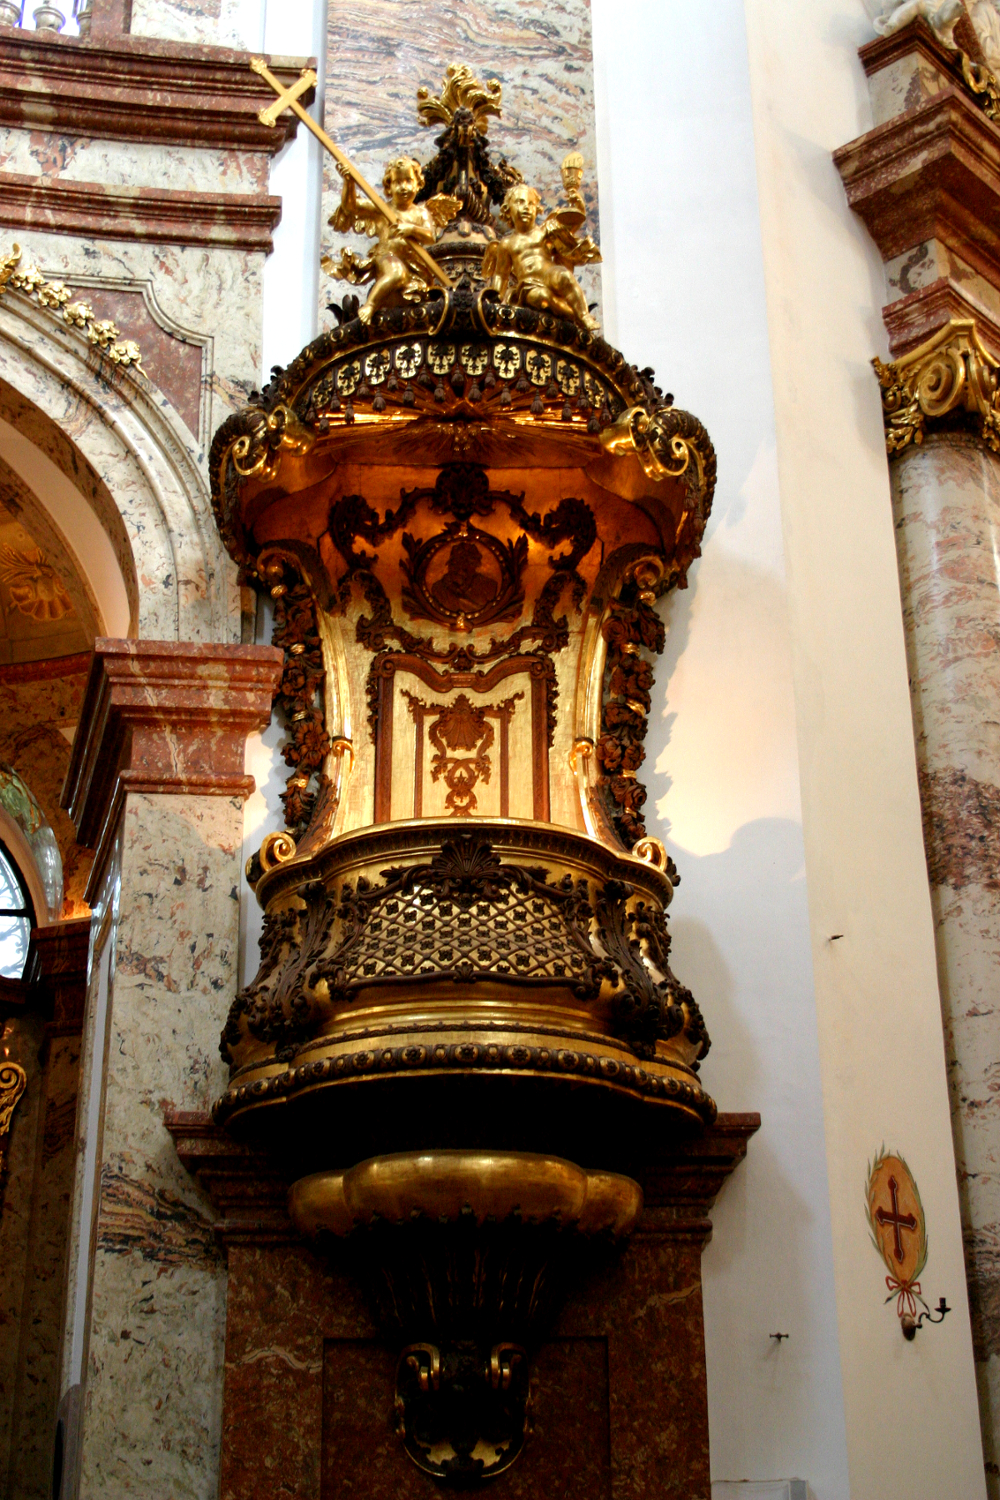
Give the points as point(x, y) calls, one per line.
point(908, 1292)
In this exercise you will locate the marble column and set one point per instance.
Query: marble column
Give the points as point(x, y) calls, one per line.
point(946, 497)
point(157, 781)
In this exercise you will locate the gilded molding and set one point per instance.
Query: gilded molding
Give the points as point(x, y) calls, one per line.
point(950, 376)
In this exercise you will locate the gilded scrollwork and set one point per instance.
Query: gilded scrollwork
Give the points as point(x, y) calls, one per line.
point(983, 85)
point(951, 378)
point(277, 1007)
point(300, 692)
point(667, 442)
point(633, 933)
point(13, 1082)
point(258, 452)
point(630, 627)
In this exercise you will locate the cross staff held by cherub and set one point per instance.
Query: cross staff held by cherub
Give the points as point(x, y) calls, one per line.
point(398, 275)
point(533, 265)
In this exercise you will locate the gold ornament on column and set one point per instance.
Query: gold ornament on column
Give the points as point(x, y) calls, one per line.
point(949, 379)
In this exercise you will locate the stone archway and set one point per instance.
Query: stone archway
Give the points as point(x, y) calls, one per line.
point(118, 441)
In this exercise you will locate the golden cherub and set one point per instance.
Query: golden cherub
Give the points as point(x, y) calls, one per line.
point(397, 273)
point(533, 265)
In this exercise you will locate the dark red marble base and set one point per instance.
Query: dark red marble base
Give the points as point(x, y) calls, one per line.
point(619, 1396)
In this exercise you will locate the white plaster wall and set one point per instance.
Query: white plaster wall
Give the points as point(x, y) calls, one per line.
point(291, 281)
point(783, 704)
point(910, 1409)
point(680, 114)
point(684, 291)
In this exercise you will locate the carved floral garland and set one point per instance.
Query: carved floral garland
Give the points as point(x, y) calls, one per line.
point(100, 332)
point(628, 680)
point(299, 697)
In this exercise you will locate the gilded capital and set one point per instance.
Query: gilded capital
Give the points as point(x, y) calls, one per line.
point(950, 379)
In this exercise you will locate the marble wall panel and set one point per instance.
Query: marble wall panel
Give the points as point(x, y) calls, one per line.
point(620, 1406)
point(195, 169)
point(152, 1406)
point(216, 23)
point(947, 506)
point(380, 51)
point(212, 293)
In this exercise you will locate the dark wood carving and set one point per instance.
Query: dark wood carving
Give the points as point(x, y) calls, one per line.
point(632, 624)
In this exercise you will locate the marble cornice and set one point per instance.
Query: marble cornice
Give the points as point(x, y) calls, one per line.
point(234, 221)
point(915, 38)
point(930, 173)
point(165, 717)
point(141, 90)
point(249, 1191)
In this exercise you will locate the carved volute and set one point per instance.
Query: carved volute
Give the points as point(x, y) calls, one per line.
point(464, 510)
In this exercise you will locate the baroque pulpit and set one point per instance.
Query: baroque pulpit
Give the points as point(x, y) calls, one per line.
point(465, 1158)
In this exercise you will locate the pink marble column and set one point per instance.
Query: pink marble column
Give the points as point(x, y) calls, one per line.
point(157, 781)
point(946, 497)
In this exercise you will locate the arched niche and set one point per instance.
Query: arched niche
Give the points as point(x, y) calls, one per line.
point(74, 428)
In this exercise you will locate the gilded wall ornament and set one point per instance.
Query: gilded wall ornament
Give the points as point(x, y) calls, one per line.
point(35, 588)
point(950, 379)
point(13, 1082)
point(462, 737)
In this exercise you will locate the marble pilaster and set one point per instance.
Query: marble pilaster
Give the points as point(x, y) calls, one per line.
point(926, 182)
point(157, 775)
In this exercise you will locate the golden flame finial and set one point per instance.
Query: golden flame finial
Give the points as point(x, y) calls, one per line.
point(460, 90)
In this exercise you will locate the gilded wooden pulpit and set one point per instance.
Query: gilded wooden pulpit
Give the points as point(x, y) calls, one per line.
point(464, 1161)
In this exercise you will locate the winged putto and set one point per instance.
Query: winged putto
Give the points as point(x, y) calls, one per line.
point(533, 265)
point(397, 274)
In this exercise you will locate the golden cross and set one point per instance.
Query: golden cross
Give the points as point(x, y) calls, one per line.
point(289, 99)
